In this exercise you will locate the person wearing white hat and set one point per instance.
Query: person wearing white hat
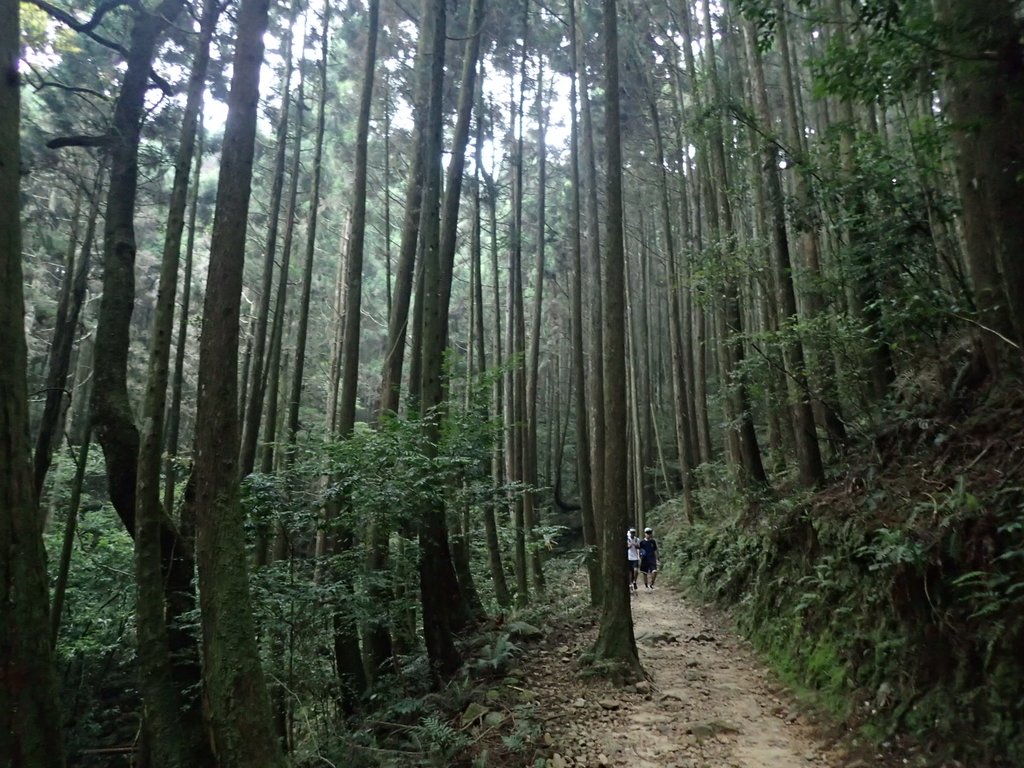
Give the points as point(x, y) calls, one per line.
point(632, 557)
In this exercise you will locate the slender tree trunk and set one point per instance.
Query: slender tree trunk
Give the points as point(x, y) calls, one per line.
point(692, 312)
point(515, 384)
point(821, 364)
point(177, 380)
point(683, 431)
point(394, 356)
point(377, 642)
point(68, 543)
point(235, 692)
point(530, 475)
point(357, 236)
point(593, 259)
point(253, 413)
point(346, 639)
point(501, 593)
point(170, 743)
point(583, 453)
point(111, 407)
point(501, 590)
point(731, 322)
point(808, 452)
point(76, 275)
point(112, 415)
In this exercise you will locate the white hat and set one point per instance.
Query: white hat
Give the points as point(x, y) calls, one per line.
point(648, 530)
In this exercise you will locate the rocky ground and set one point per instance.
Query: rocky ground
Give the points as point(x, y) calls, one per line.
point(708, 703)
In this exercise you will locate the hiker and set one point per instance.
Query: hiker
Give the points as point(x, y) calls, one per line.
point(632, 557)
point(648, 559)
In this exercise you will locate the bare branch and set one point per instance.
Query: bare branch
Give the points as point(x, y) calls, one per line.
point(78, 141)
point(88, 28)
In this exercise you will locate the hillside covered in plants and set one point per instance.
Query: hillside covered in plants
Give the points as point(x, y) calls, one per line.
point(343, 341)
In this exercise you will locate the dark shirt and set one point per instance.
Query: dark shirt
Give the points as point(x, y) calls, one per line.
point(648, 547)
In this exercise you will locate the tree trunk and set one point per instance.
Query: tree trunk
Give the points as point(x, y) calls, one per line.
point(808, 452)
point(111, 407)
point(985, 89)
point(169, 742)
point(76, 276)
point(377, 641)
point(515, 384)
point(731, 351)
point(583, 467)
point(501, 591)
point(177, 380)
point(530, 475)
point(60, 584)
point(273, 374)
point(235, 692)
point(615, 640)
point(435, 568)
point(821, 363)
point(593, 258)
point(470, 608)
point(684, 428)
point(29, 714)
point(253, 412)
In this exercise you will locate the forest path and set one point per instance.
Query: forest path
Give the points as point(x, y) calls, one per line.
point(709, 704)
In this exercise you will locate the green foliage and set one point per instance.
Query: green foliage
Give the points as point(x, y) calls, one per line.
point(95, 653)
point(901, 625)
point(439, 740)
point(525, 731)
point(497, 656)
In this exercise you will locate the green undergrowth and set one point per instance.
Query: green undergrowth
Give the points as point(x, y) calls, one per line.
point(894, 597)
point(486, 716)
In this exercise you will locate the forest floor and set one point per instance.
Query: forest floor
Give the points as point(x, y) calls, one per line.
point(709, 702)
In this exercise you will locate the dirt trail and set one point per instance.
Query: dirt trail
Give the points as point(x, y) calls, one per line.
point(709, 704)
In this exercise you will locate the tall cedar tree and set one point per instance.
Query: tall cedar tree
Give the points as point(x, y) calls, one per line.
point(471, 607)
point(583, 473)
point(174, 739)
point(436, 573)
point(235, 692)
point(615, 640)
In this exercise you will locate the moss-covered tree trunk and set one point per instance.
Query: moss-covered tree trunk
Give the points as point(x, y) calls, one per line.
point(170, 743)
point(236, 696)
point(29, 716)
